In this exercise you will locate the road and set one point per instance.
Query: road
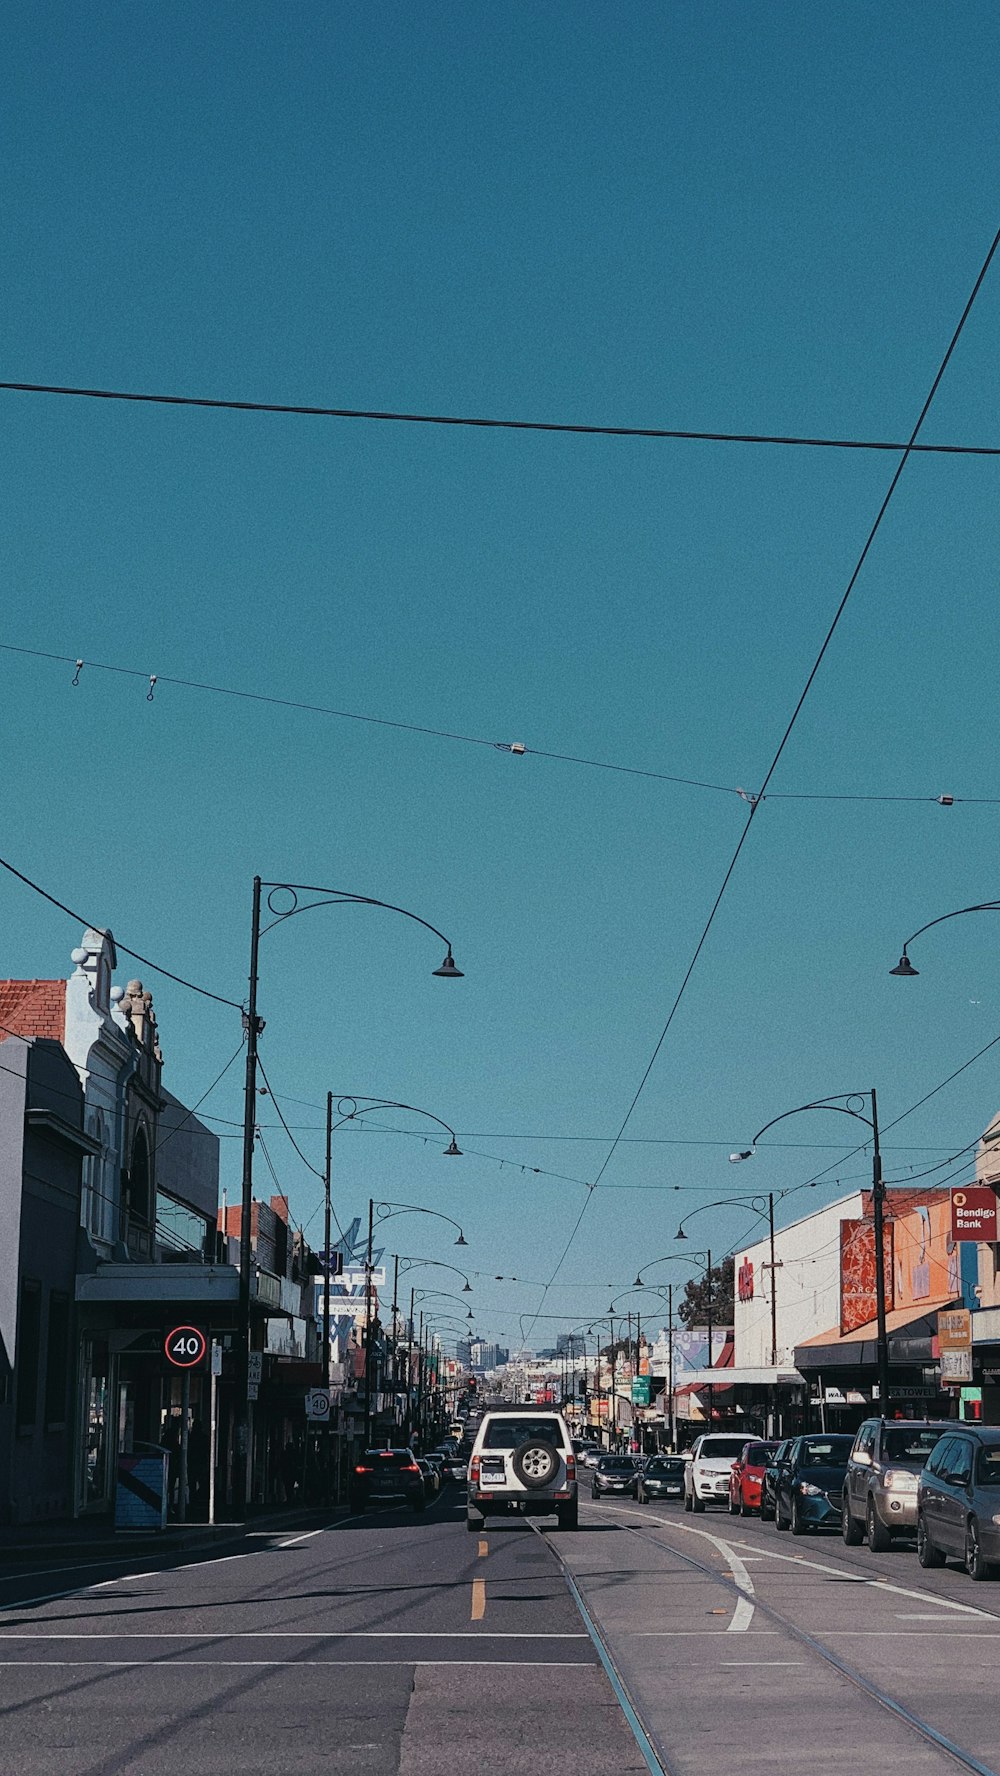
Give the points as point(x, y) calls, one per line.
point(401, 1646)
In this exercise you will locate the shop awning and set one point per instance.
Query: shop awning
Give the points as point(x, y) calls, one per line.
point(910, 1331)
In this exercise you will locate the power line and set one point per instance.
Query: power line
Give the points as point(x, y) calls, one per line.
point(157, 967)
point(206, 687)
point(478, 423)
point(756, 802)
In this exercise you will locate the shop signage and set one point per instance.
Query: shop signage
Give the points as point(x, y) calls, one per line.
point(974, 1213)
point(640, 1390)
point(185, 1346)
point(745, 1280)
point(955, 1345)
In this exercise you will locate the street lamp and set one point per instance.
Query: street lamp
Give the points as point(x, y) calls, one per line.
point(253, 1027)
point(359, 1107)
point(904, 966)
point(842, 1105)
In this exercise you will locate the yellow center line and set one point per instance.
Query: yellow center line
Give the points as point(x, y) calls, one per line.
point(484, 1548)
point(478, 1599)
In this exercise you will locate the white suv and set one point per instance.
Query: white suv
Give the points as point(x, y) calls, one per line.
point(706, 1472)
point(522, 1460)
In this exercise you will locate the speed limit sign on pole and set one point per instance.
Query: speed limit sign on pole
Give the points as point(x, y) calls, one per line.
point(185, 1346)
point(318, 1405)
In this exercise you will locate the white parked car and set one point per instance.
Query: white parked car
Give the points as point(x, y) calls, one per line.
point(706, 1472)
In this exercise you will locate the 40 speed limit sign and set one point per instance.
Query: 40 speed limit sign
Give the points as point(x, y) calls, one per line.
point(185, 1346)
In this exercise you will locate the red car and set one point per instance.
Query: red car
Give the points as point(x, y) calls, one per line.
point(745, 1479)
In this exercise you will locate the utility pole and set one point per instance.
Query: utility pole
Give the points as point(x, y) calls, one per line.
point(326, 1242)
point(708, 1311)
point(253, 1027)
point(670, 1365)
point(368, 1329)
point(878, 1217)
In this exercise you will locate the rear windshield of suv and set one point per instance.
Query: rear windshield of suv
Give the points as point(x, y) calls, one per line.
point(910, 1443)
point(389, 1458)
point(510, 1433)
point(721, 1448)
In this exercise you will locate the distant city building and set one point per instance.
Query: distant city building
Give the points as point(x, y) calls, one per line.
point(487, 1356)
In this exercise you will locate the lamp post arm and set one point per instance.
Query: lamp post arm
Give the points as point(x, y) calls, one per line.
point(340, 897)
point(818, 1104)
point(982, 906)
point(367, 1106)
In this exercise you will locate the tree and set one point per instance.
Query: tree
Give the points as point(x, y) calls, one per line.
point(694, 1306)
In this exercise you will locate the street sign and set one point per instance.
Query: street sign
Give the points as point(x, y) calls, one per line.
point(252, 1390)
point(974, 1213)
point(185, 1346)
point(216, 1364)
point(955, 1345)
point(318, 1405)
point(954, 1329)
point(255, 1366)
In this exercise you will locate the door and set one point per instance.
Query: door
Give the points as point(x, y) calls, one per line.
point(859, 1471)
point(955, 1497)
point(783, 1501)
point(932, 1488)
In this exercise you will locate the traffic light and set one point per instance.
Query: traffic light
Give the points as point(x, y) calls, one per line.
point(472, 1384)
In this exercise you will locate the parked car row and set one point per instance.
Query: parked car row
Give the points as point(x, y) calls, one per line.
point(935, 1481)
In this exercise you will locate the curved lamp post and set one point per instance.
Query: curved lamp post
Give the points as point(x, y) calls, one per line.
point(360, 1107)
point(904, 966)
point(841, 1104)
point(253, 1026)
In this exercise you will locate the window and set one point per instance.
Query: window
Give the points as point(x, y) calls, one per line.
point(57, 1359)
point(913, 1444)
point(988, 1467)
point(939, 1459)
point(26, 1359)
point(510, 1433)
point(960, 1471)
point(139, 1204)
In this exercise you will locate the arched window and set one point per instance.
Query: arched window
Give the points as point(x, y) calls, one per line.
point(140, 1206)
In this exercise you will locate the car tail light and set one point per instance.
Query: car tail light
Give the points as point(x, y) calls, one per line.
point(409, 1468)
point(571, 1467)
point(361, 1469)
point(474, 1470)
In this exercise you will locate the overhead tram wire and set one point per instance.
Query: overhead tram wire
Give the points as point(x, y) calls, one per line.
point(786, 736)
point(207, 688)
point(481, 423)
point(89, 925)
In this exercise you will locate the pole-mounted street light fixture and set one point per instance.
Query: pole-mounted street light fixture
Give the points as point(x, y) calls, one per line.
point(253, 1026)
point(842, 1104)
point(408, 1264)
point(358, 1107)
point(904, 966)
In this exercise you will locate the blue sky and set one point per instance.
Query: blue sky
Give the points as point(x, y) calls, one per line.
point(753, 217)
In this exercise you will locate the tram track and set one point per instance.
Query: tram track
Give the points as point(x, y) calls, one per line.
point(653, 1530)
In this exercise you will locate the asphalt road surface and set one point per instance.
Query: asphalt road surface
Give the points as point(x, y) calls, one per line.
point(393, 1644)
point(401, 1645)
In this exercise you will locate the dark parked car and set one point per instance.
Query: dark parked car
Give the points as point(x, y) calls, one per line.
point(662, 1477)
point(769, 1480)
point(387, 1477)
point(810, 1489)
point(958, 1501)
point(615, 1474)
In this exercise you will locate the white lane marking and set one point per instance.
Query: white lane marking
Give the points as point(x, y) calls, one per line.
point(298, 1634)
point(243, 1664)
point(683, 1633)
point(772, 1663)
point(743, 1613)
point(308, 1536)
point(948, 1603)
point(742, 1616)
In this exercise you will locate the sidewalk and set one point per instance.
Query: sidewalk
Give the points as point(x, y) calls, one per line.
point(95, 1539)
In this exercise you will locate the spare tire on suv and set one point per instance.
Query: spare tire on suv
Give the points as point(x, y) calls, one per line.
point(536, 1463)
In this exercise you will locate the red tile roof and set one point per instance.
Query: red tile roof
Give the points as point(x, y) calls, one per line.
point(33, 1008)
